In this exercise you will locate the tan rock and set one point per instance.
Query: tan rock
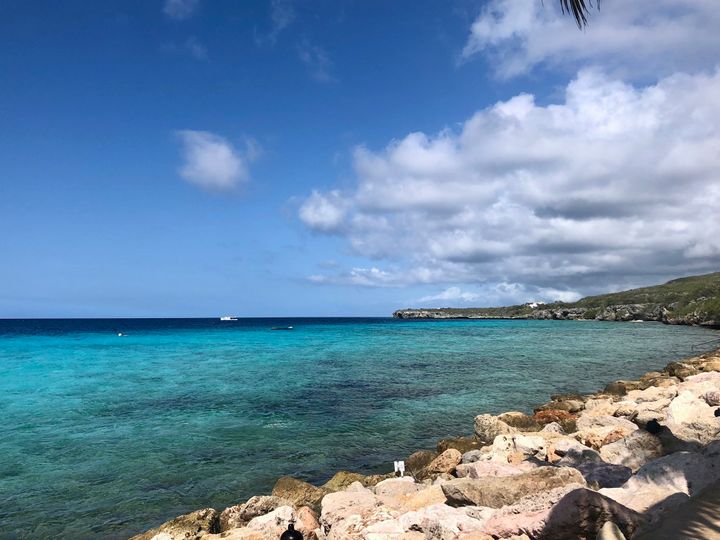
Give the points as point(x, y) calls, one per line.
point(496, 492)
point(487, 427)
point(239, 515)
point(480, 469)
point(443, 521)
point(339, 506)
point(444, 463)
point(343, 479)
point(188, 526)
point(633, 451)
point(299, 493)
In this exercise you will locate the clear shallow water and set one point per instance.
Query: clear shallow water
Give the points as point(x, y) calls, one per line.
point(105, 436)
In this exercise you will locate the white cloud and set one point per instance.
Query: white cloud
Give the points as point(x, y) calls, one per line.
point(212, 162)
point(323, 212)
point(452, 294)
point(615, 185)
point(180, 9)
point(637, 38)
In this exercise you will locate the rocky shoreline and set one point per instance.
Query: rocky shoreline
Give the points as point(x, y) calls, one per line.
point(604, 465)
point(620, 312)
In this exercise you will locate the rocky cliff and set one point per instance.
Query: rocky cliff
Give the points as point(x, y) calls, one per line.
point(693, 300)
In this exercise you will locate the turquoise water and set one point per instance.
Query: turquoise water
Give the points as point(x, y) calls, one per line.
point(106, 436)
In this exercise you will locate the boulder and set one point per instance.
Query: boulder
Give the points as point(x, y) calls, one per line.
point(397, 486)
point(186, 527)
point(582, 513)
point(692, 419)
point(272, 525)
point(461, 444)
point(496, 492)
point(571, 406)
point(339, 506)
point(553, 427)
point(239, 515)
point(712, 398)
point(418, 461)
point(525, 445)
point(633, 451)
point(443, 521)
point(444, 463)
point(520, 421)
point(681, 370)
point(342, 479)
point(665, 482)
point(565, 419)
point(379, 523)
point(592, 430)
point(476, 455)
point(487, 427)
point(652, 393)
point(527, 516)
point(600, 405)
point(299, 493)
point(480, 469)
point(599, 474)
point(620, 388)
point(414, 500)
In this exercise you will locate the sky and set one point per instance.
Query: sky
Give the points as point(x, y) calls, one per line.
point(191, 158)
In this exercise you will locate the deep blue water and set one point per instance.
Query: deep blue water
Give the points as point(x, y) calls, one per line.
point(105, 436)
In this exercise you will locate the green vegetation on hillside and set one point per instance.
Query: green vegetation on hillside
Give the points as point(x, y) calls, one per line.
point(695, 299)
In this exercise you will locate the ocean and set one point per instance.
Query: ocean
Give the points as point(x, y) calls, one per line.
point(105, 436)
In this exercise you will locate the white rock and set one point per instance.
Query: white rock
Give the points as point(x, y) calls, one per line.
point(633, 451)
point(665, 482)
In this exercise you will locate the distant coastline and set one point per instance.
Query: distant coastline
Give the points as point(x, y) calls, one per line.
point(692, 300)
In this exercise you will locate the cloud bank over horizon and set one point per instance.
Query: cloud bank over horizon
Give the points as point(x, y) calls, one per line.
point(613, 184)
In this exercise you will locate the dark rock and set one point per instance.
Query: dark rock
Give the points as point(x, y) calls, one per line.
point(582, 513)
point(419, 460)
point(462, 444)
point(520, 421)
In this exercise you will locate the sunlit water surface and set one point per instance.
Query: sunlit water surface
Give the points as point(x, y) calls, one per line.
point(105, 436)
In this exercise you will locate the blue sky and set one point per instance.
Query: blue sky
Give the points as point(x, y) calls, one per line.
point(196, 158)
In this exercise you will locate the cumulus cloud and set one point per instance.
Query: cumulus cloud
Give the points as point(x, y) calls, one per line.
point(642, 37)
point(452, 294)
point(613, 185)
point(180, 9)
point(212, 162)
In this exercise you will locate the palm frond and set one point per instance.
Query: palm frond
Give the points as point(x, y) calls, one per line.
point(580, 9)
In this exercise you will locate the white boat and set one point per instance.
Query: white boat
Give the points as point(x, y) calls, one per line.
point(228, 318)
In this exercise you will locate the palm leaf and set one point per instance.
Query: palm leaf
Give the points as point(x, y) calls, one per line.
point(580, 9)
